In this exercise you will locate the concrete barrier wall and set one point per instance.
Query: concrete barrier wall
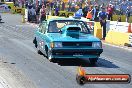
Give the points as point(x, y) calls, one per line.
point(97, 30)
point(51, 17)
point(118, 38)
point(123, 18)
point(119, 26)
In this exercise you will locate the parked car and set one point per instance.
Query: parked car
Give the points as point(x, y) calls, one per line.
point(67, 38)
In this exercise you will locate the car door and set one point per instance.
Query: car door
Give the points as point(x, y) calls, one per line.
point(38, 35)
point(42, 41)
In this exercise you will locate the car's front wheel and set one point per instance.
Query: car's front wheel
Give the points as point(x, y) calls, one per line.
point(49, 56)
point(93, 61)
point(35, 42)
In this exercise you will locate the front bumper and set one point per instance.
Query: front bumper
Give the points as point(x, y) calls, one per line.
point(76, 53)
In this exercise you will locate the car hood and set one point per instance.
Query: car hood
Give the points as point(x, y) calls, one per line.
point(82, 37)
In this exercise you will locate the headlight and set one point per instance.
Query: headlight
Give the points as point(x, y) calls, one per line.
point(55, 44)
point(97, 44)
point(58, 44)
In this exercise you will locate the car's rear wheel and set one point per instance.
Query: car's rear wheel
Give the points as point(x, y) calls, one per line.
point(38, 51)
point(93, 61)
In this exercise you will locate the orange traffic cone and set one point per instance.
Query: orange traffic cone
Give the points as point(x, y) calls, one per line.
point(129, 28)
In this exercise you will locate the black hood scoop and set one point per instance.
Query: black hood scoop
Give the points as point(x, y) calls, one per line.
point(73, 32)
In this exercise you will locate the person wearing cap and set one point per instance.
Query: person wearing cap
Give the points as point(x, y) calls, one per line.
point(102, 18)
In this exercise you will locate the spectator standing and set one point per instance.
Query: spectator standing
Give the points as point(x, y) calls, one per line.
point(110, 10)
point(63, 5)
point(29, 12)
point(79, 13)
point(85, 10)
point(47, 8)
point(95, 12)
point(89, 15)
point(51, 5)
point(102, 6)
point(128, 12)
point(102, 18)
point(69, 6)
point(57, 11)
point(42, 13)
point(123, 6)
point(120, 10)
point(37, 13)
point(26, 4)
point(73, 4)
point(33, 14)
point(44, 2)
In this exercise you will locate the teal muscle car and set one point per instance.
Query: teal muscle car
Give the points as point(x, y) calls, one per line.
point(67, 38)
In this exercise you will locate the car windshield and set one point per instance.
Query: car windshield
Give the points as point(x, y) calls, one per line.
point(56, 25)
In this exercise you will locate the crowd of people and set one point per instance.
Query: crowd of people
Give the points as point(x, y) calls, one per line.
point(39, 12)
point(90, 10)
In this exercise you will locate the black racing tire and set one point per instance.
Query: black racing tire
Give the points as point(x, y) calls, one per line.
point(81, 80)
point(93, 61)
point(35, 42)
point(38, 51)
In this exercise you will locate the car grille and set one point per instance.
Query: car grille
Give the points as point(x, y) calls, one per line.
point(77, 44)
point(76, 52)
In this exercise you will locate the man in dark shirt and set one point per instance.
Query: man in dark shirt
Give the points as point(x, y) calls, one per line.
point(102, 18)
point(85, 10)
point(37, 13)
point(95, 12)
point(128, 12)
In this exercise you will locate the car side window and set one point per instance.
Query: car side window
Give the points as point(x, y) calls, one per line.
point(44, 27)
point(40, 28)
